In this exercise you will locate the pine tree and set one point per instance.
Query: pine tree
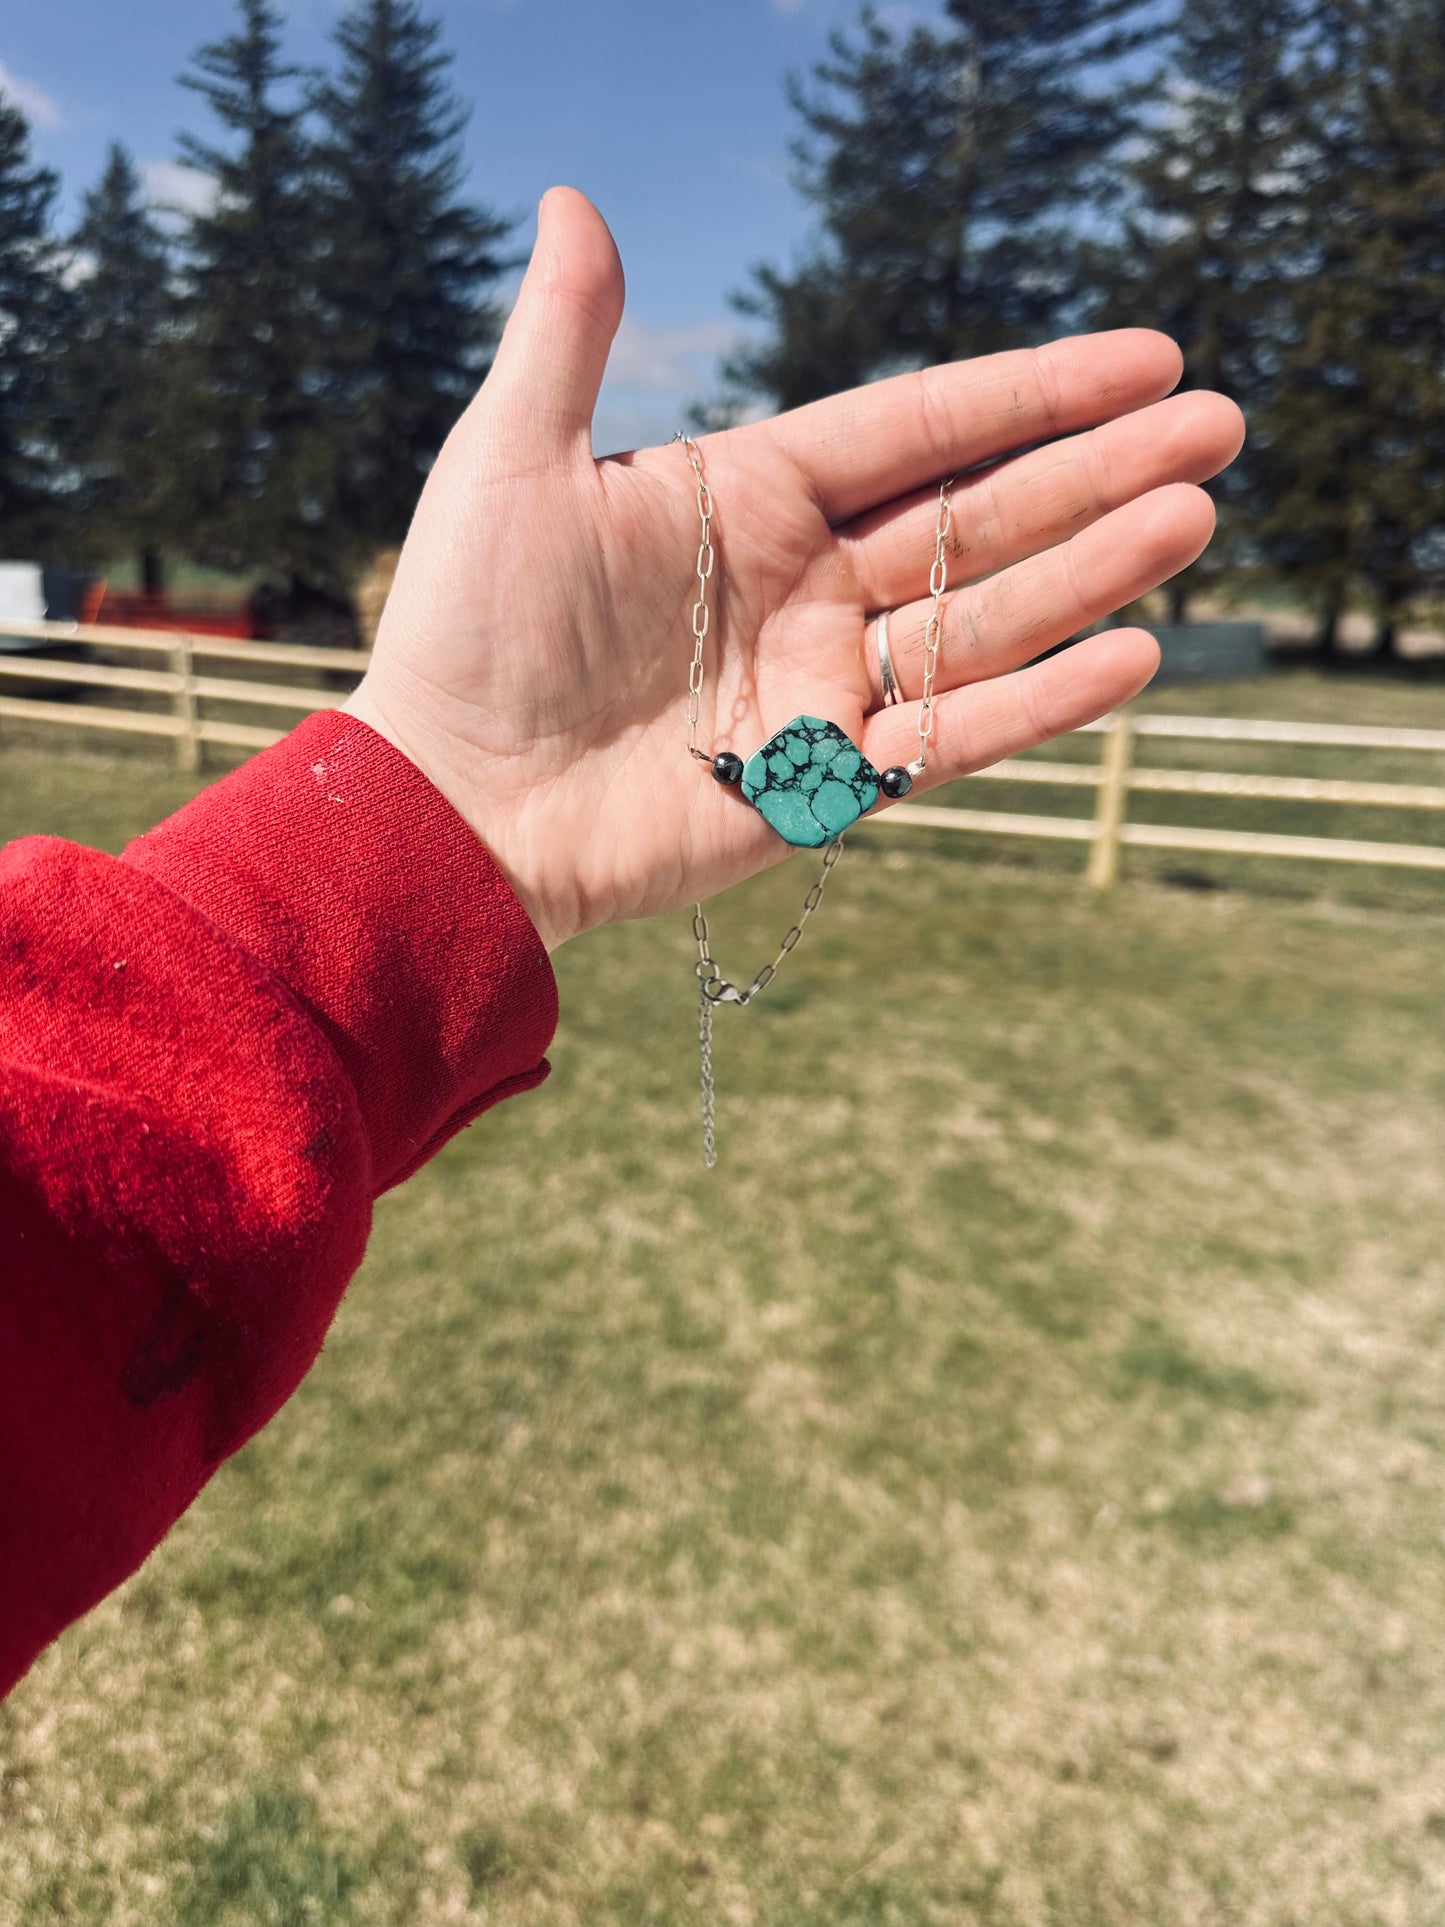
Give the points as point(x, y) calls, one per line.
point(949, 167)
point(33, 318)
point(1307, 488)
point(257, 463)
point(407, 266)
point(1213, 233)
point(115, 370)
point(1350, 444)
point(1394, 318)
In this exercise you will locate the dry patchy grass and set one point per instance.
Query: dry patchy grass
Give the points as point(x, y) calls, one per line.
point(1008, 1492)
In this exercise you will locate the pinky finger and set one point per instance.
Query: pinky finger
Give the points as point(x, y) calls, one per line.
point(985, 722)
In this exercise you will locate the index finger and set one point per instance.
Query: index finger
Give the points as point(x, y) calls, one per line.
point(863, 448)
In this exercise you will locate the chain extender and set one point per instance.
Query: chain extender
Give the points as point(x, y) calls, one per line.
point(715, 989)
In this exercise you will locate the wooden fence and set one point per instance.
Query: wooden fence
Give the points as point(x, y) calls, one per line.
point(1116, 777)
point(179, 681)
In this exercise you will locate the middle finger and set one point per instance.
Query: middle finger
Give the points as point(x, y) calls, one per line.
point(1032, 502)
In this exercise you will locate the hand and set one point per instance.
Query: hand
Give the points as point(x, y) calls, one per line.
point(533, 657)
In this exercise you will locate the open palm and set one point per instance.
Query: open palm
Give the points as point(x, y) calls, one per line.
point(533, 656)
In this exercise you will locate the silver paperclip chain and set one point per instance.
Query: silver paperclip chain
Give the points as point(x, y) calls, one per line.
point(933, 634)
point(713, 987)
point(701, 612)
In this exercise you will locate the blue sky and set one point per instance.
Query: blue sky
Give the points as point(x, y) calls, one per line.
point(669, 113)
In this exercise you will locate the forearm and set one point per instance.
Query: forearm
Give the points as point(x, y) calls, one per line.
point(215, 1052)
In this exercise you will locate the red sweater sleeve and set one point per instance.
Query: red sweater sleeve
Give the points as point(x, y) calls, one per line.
point(215, 1051)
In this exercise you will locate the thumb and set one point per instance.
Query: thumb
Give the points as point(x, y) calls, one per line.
point(553, 352)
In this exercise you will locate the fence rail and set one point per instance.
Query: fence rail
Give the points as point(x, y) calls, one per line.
point(223, 648)
point(1115, 777)
point(184, 723)
point(1108, 831)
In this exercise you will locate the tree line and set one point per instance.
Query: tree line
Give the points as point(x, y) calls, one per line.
point(263, 385)
point(1263, 179)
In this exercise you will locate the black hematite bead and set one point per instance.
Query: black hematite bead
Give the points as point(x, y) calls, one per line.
point(726, 767)
point(896, 781)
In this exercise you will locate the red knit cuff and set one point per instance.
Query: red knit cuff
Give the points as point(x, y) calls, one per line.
point(332, 859)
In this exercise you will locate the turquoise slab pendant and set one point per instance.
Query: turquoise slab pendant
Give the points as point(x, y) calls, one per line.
point(810, 782)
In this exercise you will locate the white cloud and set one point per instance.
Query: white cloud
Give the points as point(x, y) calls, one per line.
point(902, 18)
point(77, 265)
point(615, 429)
point(652, 377)
point(775, 169)
point(176, 188)
point(38, 107)
point(666, 361)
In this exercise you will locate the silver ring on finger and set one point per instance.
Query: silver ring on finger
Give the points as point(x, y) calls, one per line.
point(887, 674)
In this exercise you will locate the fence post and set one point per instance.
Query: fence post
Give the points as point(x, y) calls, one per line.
point(1109, 817)
point(188, 745)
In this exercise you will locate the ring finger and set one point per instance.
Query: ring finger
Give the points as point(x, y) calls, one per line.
point(993, 626)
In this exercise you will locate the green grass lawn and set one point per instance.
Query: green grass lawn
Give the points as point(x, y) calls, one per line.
point(1010, 1490)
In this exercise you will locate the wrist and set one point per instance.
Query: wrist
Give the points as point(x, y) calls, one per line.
point(439, 760)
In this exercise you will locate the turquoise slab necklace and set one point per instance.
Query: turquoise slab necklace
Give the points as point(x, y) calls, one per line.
point(809, 781)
